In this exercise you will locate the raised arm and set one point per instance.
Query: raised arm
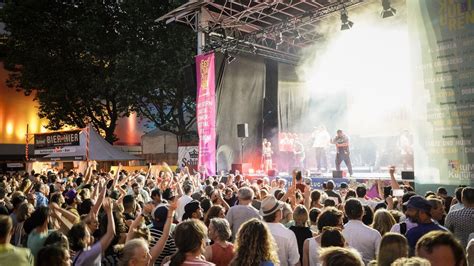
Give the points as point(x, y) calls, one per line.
point(133, 226)
point(109, 235)
point(307, 197)
point(160, 245)
point(103, 189)
point(393, 181)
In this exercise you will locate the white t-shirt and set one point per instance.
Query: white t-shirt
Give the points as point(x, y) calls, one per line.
point(287, 244)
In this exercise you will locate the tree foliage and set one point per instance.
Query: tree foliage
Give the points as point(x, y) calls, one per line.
point(96, 61)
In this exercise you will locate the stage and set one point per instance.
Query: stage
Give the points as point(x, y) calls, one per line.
point(317, 180)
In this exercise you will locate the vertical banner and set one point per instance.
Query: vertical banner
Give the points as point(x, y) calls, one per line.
point(442, 53)
point(206, 113)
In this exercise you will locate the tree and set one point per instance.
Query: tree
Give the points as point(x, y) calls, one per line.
point(164, 101)
point(89, 61)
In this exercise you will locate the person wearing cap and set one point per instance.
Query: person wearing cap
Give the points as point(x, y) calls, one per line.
point(405, 223)
point(359, 236)
point(272, 213)
point(342, 146)
point(193, 210)
point(72, 199)
point(244, 211)
point(419, 211)
point(160, 215)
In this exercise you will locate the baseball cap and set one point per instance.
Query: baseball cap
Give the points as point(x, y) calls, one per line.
point(419, 203)
point(190, 208)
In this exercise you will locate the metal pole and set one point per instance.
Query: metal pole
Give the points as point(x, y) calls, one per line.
point(241, 150)
point(27, 141)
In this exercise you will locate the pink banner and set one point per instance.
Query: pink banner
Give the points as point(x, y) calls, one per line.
point(206, 113)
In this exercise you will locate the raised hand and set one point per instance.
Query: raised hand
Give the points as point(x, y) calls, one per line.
point(392, 170)
point(148, 208)
point(107, 205)
point(307, 191)
point(173, 205)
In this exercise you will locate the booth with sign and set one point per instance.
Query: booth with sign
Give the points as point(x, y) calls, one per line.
point(72, 149)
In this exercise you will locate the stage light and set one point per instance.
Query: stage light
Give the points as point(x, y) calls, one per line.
point(254, 49)
point(279, 40)
point(10, 127)
point(345, 22)
point(297, 34)
point(388, 10)
point(230, 59)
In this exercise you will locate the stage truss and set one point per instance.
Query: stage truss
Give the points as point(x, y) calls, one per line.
point(273, 29)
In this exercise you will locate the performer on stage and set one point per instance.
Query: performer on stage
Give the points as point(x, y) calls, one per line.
point(342, 146)
point(406, 150)
point(298, 152)
point(267, 155)
point(321, 140)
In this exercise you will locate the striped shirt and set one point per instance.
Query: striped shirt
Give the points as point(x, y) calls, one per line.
point(169, 249)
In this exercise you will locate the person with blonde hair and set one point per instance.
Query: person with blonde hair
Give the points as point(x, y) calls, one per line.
point(392, 247)
point(383, 221)
point(301, 228)
point(337, 256)
point(413, 261)
point(222, 251)
point(255, 245)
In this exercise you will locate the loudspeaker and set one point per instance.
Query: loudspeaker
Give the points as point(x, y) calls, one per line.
point(190, 83)
point(408, 175)
point(337, 174)
point(243, 130)
point(243, 168)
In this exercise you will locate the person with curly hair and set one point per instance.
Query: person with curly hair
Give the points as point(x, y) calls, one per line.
point(255, 245)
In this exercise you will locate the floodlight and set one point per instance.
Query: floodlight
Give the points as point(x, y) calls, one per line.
point(388, 10)
point(345, 22)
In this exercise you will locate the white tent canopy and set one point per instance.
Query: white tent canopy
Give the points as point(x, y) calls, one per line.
point(99, 150)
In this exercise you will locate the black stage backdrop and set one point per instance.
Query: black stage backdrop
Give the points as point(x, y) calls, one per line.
point(240, 92)
point(293, 100)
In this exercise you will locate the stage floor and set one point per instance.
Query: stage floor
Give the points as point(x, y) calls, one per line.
point(318, 180)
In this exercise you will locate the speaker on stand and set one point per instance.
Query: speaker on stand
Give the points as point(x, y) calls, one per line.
point(242, 133)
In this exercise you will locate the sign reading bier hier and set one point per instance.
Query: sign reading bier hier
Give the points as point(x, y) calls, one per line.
point(57, 139)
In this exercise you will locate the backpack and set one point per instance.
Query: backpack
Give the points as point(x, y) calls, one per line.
point(403, 228)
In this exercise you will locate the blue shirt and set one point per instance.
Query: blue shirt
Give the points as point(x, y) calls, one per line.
point(414, 234)
point(41, 200)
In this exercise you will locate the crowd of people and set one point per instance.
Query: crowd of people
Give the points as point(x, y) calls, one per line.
point(177, 218)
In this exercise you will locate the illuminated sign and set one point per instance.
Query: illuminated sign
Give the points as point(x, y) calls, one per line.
point(57, 139)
